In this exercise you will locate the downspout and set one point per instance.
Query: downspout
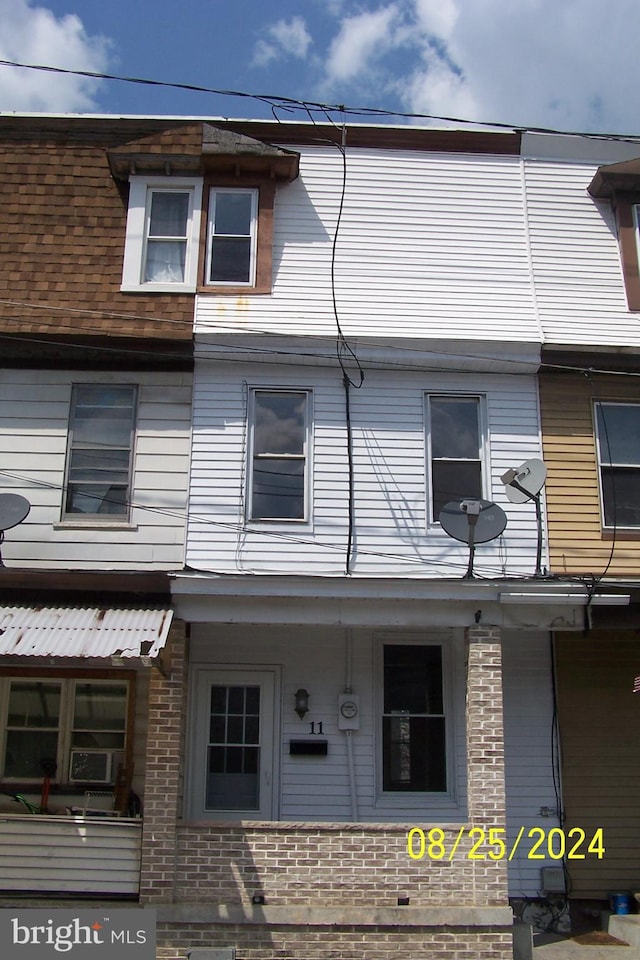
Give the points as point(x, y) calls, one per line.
point(353, 792)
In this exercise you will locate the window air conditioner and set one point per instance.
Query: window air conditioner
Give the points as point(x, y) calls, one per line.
point(91, 766)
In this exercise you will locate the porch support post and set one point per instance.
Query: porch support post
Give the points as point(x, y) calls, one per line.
point(165, 735)
point(485, 752)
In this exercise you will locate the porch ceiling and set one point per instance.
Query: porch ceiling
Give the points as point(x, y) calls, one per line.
point(41, 631)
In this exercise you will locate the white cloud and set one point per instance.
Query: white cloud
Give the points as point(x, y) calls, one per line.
point(567, 65)
point(362, 39)
point(285, 38)
point(34, 35)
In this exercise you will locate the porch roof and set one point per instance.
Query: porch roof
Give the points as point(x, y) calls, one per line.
point(44, 631)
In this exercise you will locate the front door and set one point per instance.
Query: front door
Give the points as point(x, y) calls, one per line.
point(234, 744)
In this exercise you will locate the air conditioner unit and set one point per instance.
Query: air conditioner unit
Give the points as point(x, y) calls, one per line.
point(91, 766)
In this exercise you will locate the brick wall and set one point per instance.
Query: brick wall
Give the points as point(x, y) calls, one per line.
point(302, 870)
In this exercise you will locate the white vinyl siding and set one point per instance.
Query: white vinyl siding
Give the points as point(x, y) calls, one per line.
point(318, 787)
point(575, 258)
point(389, 459)
point(34, 419)
point(439, 252)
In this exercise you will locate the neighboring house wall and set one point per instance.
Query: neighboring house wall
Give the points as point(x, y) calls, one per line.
point(391, 533)
point(63, 228)
point(599, 717)
point(34, 425)
point(578, 544)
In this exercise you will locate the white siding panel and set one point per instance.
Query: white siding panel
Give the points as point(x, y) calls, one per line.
point(34, 411)
point(317, 788)
point(576, 259)
point(429, 245)
point(391, 535)
point(528, 727)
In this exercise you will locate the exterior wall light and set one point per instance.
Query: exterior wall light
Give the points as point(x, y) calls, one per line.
point(302, 702)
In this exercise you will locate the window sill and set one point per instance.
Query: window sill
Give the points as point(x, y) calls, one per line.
point(233, 291)
point(157, 288)
point(622, 533)
point(94, 524)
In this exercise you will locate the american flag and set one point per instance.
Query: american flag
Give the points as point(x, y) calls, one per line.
point(636, 685)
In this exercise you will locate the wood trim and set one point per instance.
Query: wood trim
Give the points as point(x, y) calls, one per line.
point(629, 247)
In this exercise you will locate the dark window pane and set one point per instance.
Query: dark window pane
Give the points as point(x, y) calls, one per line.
point(169, 214)
point(97, 741)
point(217, 729)
point(235, 730)
point(218, 699)
point(278, 489)
point(252, 730)
point(621, 493)
point(414, 754)
point(619, 433)
point(97, 498)
point(100, 706)
point(233, 214)
point(233, 760)
point(34, 704)
point(413, 678)
point(455, 481)
point(26, 749)
point(251, 755)
point(253, 700)
point(279, 423)
point(230, 260)
point(236, 700)
point(455, 430)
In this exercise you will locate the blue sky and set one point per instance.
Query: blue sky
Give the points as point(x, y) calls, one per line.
point(563, 64)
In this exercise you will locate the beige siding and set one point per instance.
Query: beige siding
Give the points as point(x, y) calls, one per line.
point(599, 723)
point(577, 543)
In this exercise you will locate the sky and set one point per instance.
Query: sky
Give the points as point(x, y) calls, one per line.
point(568, 65)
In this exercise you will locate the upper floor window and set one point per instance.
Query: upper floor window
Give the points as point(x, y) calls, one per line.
point(75, 729)
point(455, 443)
point(231, 252)
point(100, 451)
point(163, 249)
point(413, 720)
point(618, 447)
point(278, 476)
point(163, 231)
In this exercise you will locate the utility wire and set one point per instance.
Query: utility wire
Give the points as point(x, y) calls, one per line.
point(278, 101)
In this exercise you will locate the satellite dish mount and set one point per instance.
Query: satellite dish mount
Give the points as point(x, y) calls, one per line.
point(472, 521)
point(525, 483)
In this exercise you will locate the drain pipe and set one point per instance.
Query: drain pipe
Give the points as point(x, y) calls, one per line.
point(353, 792)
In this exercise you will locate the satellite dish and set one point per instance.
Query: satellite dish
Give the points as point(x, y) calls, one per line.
point(13, 510)
point(525, 482)
point(472, 521)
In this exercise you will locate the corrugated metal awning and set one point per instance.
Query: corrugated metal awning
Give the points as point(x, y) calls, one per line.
point(82, 632)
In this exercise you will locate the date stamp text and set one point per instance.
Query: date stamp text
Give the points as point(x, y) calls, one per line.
point(476, 843)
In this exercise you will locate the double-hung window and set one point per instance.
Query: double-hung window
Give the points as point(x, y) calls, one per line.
point(455, 444)
point(618, 447)
point(162, 240)
point(279, 462)
point(100, 451)
point(413, 720)
point(231, 248)
point(75, 729)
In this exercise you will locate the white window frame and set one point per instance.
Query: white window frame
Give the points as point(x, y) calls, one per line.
point(602, 464)
point(97, 517)
point(401, 800)
point(483, 445)
point(253, 236)
point(65, 728)
point(305, 456)
point(140, 192)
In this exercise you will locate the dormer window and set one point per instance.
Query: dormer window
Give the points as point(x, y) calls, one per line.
point(163, 232)
point(233, 222)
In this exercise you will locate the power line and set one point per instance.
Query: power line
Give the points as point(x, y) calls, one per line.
point(310, 107)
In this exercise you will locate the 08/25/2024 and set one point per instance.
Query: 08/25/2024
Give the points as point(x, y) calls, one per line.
point(493, 844)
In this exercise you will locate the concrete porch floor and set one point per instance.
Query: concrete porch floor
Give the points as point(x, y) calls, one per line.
point(554, 947)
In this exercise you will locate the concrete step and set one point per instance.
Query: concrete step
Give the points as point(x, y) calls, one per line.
point(626, 927)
